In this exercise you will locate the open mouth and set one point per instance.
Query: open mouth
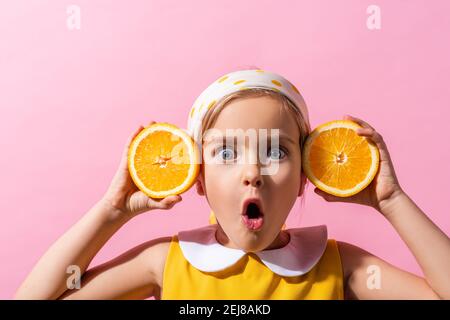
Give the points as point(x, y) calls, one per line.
point(252, 215)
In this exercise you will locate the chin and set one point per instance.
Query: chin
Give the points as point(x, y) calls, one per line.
point(252, 243)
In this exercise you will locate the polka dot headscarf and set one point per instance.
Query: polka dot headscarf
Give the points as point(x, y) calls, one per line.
point(241, 80)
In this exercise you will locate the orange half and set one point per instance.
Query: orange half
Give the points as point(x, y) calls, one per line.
point(163, 160)
point(339, 161)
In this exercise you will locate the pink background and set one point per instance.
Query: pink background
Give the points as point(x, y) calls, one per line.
point(69, 99)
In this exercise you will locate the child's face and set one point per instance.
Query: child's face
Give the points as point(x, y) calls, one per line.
point(227, 182)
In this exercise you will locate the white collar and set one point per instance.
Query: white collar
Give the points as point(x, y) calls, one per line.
point(305, 248)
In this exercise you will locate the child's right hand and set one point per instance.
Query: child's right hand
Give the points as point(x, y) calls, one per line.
point(124, 198)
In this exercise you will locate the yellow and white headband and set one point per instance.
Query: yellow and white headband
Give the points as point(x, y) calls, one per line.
point(240, 80)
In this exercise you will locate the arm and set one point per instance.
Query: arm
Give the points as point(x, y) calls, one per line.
point(391, 282)
point(136, 274)
point(132, 275)
point(79, 245)
point(429, 245)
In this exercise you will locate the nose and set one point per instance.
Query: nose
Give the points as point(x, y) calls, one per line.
point(252, 176)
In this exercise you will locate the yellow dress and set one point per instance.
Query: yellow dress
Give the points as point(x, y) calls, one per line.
point(198, 267)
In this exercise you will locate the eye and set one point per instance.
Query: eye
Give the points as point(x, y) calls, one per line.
point(276, 153)
point(225, 153)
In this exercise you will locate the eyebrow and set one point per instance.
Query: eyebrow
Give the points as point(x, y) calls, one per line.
point(286, 138)
point(221, 139)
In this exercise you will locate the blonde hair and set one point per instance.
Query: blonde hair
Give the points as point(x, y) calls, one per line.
point(212, 114)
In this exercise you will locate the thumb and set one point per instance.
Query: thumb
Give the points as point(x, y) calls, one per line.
point(166, 203)
point(327, 196)
point(124, 159)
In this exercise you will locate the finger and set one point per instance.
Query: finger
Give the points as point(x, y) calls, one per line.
point(132, 136)
point(377, 139)
point(166, 203)
point(150, 123)
point(329, 197)
point(374, 135)
point(124, 158)
point(362, 123)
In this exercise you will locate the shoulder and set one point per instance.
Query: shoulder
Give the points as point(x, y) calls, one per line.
point(156, 250)
point(154, 256)
point(350, 255)
point(142, 261)
point(355, 260)
point(361, 266)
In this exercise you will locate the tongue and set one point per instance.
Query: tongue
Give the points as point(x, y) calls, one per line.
point(254, 223)
point(253, 218)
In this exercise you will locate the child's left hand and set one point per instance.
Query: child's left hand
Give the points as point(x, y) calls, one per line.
point(384, 186)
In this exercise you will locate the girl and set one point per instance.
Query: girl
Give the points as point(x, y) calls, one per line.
point(247, 254)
